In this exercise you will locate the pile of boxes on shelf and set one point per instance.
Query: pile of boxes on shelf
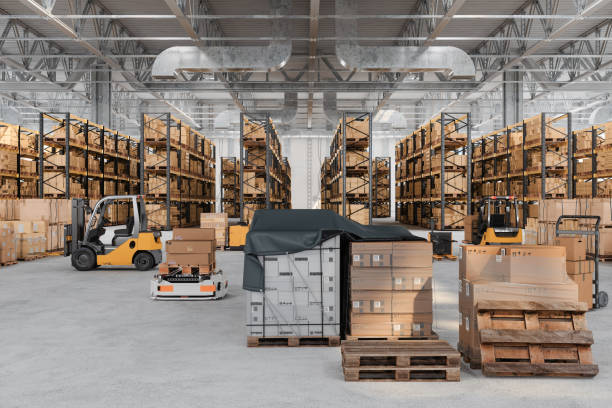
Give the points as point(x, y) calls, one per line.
point(509, 292)
point(9, 146)
point(31, 227)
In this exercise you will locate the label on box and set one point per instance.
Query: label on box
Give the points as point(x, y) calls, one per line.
point(356, 304)
point(418, 281)
point(460, 253)
point(377, 304)
point(397, 327)
point(498, 258)
point(398, 281)
point(467, 324)
point(356, 258)
point(416, 327)
point(467, 289)
point(376, 258)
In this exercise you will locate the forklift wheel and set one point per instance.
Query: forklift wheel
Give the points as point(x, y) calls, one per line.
point(602, 299)
point(143, 261)
point(84, 259)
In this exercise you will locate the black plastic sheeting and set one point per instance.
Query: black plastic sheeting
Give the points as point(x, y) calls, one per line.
point(277, 232)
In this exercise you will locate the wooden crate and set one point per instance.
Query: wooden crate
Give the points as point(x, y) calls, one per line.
point(531, 338)
point(416, 360)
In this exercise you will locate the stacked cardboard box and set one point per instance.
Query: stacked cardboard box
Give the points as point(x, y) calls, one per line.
point(391, 291)
point(8, 244)
point(192, 247)
point(578, 267)
point(508, 273)
point(301, 295)
point(217, 221)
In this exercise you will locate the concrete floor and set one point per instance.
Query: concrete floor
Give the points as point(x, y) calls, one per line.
point(95, 339)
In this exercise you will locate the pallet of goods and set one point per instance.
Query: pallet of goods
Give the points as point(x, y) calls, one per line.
point(218, 222)
point(521, 279)
point(192, 248)
point(230, 186)
point(416, 360)
point(300, 305)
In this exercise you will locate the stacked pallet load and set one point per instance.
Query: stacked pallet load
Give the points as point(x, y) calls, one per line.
point(325, 184)
point(431, 173)
point(18, 154)
point(230, 186)
point(350, 175)
point(266, 181)
point(391, 292)
point(218, 222)
point(179, 172)
point(520, 313)
point(86, 160)
point(381, 187)
point(191, 251)
point(391, 337)
point(300, 305)
point(593, 158)
point(32, 227)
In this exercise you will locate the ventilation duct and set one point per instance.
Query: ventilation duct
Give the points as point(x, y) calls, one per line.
point(288, 112)
point(601, 115)
point(230, 58)
point(330, 107)
point(453, 62)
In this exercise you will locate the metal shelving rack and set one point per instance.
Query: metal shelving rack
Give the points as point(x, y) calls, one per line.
point(167, 150)
point(260, 157)
point(325, 184)
point(29, 151)
point(109, 158)
point(230, 186)
point(381, 189)
point(597, 135)
point(361, 146)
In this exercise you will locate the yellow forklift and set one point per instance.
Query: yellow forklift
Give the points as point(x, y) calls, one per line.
point(498, 222)
point(131, 244)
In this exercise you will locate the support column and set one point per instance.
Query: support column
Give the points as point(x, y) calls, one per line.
point(513, 96)
point(102, 95)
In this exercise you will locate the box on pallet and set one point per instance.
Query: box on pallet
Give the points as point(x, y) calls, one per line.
point(391, 288)
point(301, 295)
point(219, 222)
point(29, 244)
point(8, 244)
point(191, 247)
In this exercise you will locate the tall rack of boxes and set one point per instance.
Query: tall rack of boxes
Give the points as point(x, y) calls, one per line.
point(325, 184)
point(381, 187)
point(177, 172)
point(18, 155)
point(265, 179)
point(80, 158)
point(350, 169)
point(230, 187)
point(432, 173)
point(593, 161)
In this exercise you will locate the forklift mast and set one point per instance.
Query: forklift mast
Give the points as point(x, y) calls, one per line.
point(75, 231)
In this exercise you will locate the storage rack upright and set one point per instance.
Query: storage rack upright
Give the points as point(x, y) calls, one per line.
point(79, 158)
point(19, 175)
point(177, 172)
point(230, 187)
point(263, 178)
point(433, 173)
point(593, 161)
point(351, 167)
point(381, 187)
point(325, 184)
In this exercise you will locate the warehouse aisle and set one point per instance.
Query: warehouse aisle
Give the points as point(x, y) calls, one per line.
point(74, 338)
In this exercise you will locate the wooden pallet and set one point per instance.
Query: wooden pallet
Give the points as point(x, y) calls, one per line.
point(432, 336)
point(445, 256)
point(419, 360)
point(8, 263)
point(468, 358)
point(293, 341)
point(33, 257)
point(165, 269)
point(535, 339)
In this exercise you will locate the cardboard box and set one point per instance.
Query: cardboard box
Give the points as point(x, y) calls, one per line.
point(537, 264)
point(585, 287)
point(411, 278)
point(22, 227)
point(188, 247)
point(412, 301)
point(40, 226)
point(388, 324)
point(193, 234)
point(470, 222)
point(575, 247)
point(412, 254)
point(371, 301)
point(190, 259)
point(371, 278)
point(579, 267)
point(31, 244)
point(371, 254)
point(476, 259)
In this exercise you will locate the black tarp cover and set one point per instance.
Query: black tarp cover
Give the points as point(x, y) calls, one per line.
point(277, 232)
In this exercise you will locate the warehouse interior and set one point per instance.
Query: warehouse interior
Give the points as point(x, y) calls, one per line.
point(169, 125)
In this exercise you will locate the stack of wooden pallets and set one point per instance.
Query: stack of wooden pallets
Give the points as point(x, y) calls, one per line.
point(409, 360)
point(531, 338)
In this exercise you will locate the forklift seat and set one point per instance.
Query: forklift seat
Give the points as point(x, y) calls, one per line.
point(498, 220)
point(126, 232)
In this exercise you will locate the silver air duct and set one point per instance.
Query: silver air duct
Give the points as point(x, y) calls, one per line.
point(451, 61)
point(230, 58)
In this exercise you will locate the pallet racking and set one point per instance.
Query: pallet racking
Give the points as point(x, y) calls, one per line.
point(18, 151)
point(432, 173)
point(325, 183)
point(350, 169)
point(381, 187)
point(264, 174)
point(230, 187)
point(177, 167)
